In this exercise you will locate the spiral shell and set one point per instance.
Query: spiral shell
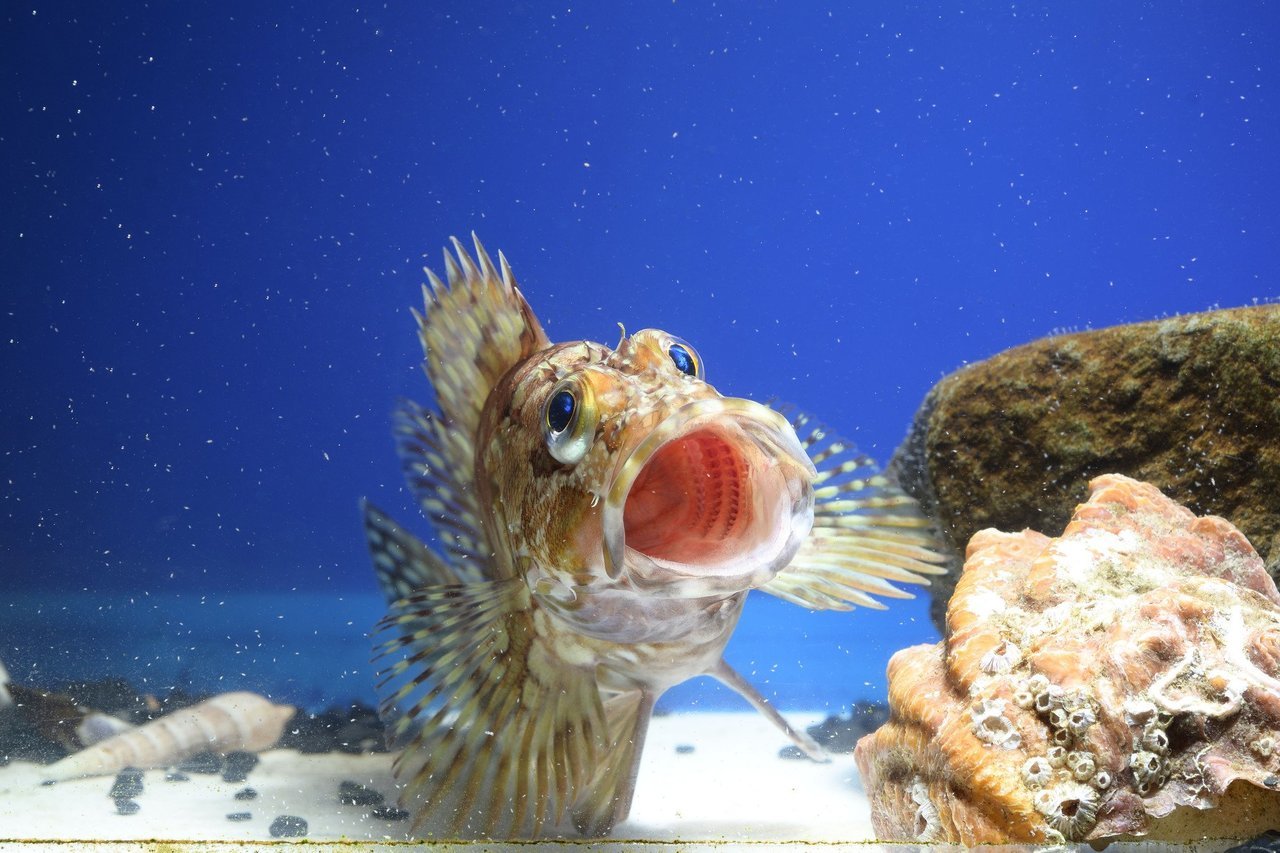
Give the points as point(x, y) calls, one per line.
point(227, 722)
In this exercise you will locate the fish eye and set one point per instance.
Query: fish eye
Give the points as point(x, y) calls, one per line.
point(569, 421)
point(685, 359)
point(560, 411)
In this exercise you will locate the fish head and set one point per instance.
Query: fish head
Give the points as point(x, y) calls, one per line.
point(624, 467)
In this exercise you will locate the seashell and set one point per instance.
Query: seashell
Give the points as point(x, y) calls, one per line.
point(225, 723)
point(97, 727)
point(1150, 638)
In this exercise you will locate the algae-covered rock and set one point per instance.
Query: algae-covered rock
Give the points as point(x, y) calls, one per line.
point(1190, 404)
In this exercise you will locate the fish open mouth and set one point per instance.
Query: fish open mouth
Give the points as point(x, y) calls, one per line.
point(718, 496)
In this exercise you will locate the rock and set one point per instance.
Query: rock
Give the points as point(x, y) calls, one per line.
point(176, 776)
point(1120, 681)
point(246, 794)
point(1190, 404)
point(684, 749)
point(202, 762)
point(354, 729)
point(238, 764)
point(355, 794)
point(128, 784)
point(240, 817)
point(390, 813)
point(127, 807)
point(288, 826)
point(839, 733)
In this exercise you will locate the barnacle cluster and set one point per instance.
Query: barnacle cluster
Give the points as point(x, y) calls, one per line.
point(1089, 687)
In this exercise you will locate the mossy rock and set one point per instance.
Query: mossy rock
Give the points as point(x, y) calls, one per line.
point(1190, 404)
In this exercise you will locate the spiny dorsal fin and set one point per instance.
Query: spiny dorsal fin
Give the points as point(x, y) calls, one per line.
point(500, 735)
point(473, 330)
point(431, 456)
point(866, 532)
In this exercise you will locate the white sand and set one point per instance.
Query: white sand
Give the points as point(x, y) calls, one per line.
point(731, 787)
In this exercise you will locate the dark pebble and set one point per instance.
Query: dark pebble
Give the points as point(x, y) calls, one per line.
point(288, 826)
point(390, 813)
point(792, 753)
point(246, 794)
point(1271, 781)
point(684, 749)
point(237, 817)
point(840, 733)
point(355, 794)
point(1267, 842)
point(202, 762)
point(128, 784)
point(175, 776)
point(126, 806)
point(238, 766)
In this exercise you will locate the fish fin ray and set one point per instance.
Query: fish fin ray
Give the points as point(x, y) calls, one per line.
point(866, 531)
point(731, 678)
point(401, 562)
point(486, 711)
point(472, 331)
point(437, 463)
point(606, 800)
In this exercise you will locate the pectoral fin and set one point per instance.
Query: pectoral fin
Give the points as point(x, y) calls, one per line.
point(866, 533)
point(607, 800)
point(500, 735)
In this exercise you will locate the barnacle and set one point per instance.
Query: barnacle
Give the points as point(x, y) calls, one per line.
point(1002, 658)
point(1070, 808)
point(1037, 771)
point(991, 725)
point(1081, 765)
point(1155, 740)
point(1038, 683)
point(928, 825)
point(1146, 767)
point(1098, 713)
point(1079, 720)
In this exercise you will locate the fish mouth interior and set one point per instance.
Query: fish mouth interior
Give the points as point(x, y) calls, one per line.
point(693, 502)
point(718, 491)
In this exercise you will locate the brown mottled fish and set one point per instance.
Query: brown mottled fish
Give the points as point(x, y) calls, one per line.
point(600, 515)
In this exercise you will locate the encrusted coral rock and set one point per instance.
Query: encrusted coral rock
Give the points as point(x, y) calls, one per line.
point(1188, 404)
point(1118, 681)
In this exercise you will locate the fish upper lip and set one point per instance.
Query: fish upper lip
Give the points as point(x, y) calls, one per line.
point(759, 423)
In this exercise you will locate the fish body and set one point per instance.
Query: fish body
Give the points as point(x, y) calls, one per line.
point(600, 515)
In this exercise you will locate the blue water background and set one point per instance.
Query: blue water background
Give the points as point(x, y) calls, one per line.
point(213, 218)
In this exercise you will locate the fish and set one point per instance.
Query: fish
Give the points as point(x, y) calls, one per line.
point(597, 518)
point(239, 720)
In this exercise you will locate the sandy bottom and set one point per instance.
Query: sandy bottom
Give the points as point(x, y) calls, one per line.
point(731, 787)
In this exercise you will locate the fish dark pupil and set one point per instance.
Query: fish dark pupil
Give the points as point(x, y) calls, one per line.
point(683, 360)
point(560, 411)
